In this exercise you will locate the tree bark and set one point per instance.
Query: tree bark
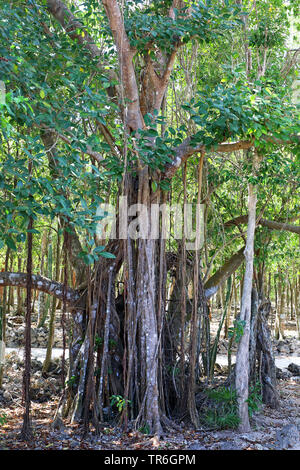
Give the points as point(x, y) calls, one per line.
point(242, 359)
point(42, 284)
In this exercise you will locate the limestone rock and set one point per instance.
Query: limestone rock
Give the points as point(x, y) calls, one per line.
point(283, 374)
point(196, 446)
point(294, 369)
point(288, 437)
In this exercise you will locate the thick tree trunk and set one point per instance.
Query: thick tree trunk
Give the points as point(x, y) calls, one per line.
point(147, 312)
point(253, 336)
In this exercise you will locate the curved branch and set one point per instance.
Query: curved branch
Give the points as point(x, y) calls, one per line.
point(40, 283)
point(228, 268)
point(88, 151)
point(273, 225)
point(186, 150)
point(72, 25)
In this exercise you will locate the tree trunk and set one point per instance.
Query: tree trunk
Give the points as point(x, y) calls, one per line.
point(242, 359)
point(26, 432)
point(51, 332)
point(3, 323)
point(267, 371)
point(280, 314)
point(297, 306)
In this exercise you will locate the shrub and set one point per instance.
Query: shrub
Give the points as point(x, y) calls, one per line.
point(3, 419)
point(222, 412)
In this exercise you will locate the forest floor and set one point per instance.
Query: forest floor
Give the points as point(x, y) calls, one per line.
point(263, 436)
point(266, 423)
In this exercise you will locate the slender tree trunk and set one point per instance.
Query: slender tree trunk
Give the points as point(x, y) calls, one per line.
point(26, 432)
point(3, 323)
point(297, 306)
point(242, 359)
point(19, 291)
point(280, 314)
point(51, 333)
point(267, 372)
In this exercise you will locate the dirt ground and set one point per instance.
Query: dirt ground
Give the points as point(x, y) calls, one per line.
point(265, 424)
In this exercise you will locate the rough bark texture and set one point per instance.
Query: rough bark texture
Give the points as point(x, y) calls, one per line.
point(267, 373)
point(242, 359)
point(26, 432)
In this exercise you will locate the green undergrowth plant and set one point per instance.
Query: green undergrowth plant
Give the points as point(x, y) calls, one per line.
point(222, 412)
point(3, 419)
point(222, 409)
point(145, 429)
point(119, 402)
point(254, 399)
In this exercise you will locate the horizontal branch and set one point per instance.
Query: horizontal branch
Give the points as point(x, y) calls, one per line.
point(40, 283)
point(273, 225)
point(186, 150)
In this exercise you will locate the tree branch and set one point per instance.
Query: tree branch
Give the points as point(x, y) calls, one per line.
point(89, 151)
point(290, 62)
point(273, 225)
point(186, 150)
point(228, 268)
point(71, 25)
point(40, 283)
point(134, 118)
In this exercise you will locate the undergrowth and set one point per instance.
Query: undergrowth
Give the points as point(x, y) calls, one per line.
point(222, 412)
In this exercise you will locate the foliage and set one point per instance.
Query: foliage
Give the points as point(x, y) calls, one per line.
point(145, 429)
point(223, 411)
point(3, 419)
point(254, 399)
point(119, 402)
point(148, 29)
point(237, 110)
point(72, 381)
point(36, 100)
point(236, 332)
